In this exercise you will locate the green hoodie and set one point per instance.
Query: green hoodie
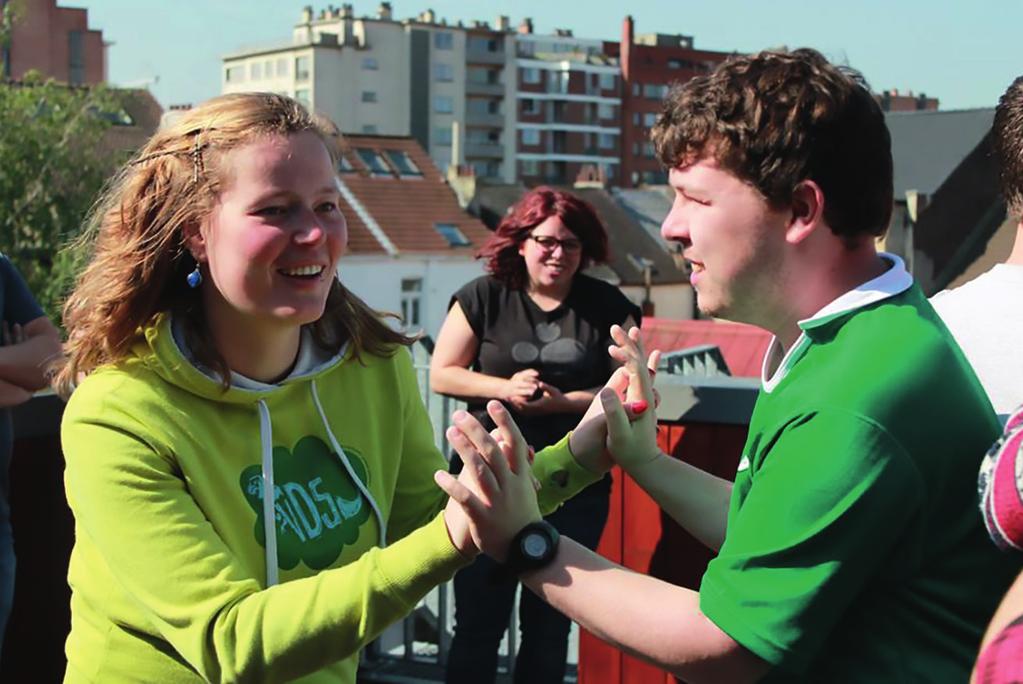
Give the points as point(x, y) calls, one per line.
point(171, 579)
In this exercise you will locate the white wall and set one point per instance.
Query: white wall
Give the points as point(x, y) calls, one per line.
point(377, 280)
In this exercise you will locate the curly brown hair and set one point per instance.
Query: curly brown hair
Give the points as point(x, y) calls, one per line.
point(1007, 140)
point(136, 233)
point(777, 118)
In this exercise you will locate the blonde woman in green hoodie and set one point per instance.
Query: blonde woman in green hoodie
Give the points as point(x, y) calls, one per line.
point(249, 463)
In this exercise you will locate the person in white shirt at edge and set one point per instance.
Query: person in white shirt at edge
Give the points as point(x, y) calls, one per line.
point(985, 316)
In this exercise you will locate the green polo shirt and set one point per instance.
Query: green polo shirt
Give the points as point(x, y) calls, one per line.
point(855, 550)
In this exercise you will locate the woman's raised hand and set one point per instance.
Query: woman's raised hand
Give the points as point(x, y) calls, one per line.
point(495, 495)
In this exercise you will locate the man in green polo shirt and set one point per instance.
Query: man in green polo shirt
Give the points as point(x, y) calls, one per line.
point(850, 547)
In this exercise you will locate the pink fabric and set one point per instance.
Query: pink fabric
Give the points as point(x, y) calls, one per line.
point(1002, 660)
point(1001, 486)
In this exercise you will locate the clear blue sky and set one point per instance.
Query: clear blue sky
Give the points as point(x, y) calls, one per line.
point(963, 53)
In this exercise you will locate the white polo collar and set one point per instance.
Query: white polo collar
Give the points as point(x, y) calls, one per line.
point(894, 281)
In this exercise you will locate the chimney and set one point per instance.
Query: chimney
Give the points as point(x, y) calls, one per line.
point(525, 26)
point(626, 49)
point(346, 12)
point(307, 15)
point(428, 16)
point(384, 11)
point(502, 23)
point(456, 144)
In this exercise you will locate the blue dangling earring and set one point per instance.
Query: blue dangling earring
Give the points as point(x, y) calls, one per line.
point(194, 279)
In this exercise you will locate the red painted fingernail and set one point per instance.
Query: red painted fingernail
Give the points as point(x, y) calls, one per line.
point(638, 407)
point(532, 454)
point(653, 372)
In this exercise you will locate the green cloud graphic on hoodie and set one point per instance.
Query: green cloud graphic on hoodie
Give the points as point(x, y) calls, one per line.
point(318, 509)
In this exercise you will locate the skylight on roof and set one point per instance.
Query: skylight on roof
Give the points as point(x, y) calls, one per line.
point(374, 161)
point(451, 233)
point(403, 163)
point(344, 165)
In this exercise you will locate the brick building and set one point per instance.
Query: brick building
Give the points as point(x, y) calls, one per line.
point(56, 41)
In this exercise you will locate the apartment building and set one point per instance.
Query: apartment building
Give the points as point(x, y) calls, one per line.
point(55, 41)
point(380, 76)
point(505, 102)
point(569, 108)
point(650, 64)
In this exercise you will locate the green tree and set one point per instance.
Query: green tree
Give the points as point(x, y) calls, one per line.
point(53, 163)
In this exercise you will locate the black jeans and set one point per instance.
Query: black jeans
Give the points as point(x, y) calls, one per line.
point(483, 605)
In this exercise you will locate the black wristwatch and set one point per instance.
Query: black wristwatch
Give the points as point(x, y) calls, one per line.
point(533, 547)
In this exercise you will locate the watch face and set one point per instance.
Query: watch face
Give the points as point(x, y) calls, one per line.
point(534, 545)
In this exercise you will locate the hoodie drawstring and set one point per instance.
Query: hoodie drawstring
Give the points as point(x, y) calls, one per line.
point(269, 493)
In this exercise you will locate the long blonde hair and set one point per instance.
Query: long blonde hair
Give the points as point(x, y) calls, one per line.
point(136, 233)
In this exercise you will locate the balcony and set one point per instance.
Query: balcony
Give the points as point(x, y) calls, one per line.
point(492, 89)
point(478, 56)
point(485, 150)
point(484, 119)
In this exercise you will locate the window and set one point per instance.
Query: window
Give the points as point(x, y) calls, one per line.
point(648, 150)
point(527, 48)
point(302, 68)
point(411, 298)
point(532, 106)
point(268, 69)
point(256, 71)
point(557, 81)
point(635, 89)
point(443, 40)
point(608, 81)
point(481, 44)
point(655, 91)
point(605, 111)
point(443, 72)
point(442, 135)
point(443, 104)
point(369, 129)
point(403, 163)
point(370, 64)
point(606, 141)
point(302, 95)
point(636, 118)
point(649, 119)
point(451, 233)
point(234, 74)
point(530, 136)
point(344, 165)
point(76, 57)
point(282, 67)
point(530, 75)
point(374, 162)
point(530, 167)
point(369, 96)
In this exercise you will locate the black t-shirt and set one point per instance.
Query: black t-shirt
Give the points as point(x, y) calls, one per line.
point(568, 345)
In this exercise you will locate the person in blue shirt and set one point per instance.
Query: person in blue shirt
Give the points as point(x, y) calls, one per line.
point(29, 342)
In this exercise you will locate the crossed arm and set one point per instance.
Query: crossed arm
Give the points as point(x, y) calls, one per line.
point(24, 358)
point(644, 616)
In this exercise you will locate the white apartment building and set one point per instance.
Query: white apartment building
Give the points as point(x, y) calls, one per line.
point(378, 75)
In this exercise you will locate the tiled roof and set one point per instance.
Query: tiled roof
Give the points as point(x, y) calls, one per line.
point(404, 209)
point(928, 146)
point(743, 346)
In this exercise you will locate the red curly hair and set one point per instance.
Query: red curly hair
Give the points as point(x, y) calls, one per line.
point(501, 251)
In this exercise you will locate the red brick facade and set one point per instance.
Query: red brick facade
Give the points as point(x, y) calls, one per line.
point(56, 41)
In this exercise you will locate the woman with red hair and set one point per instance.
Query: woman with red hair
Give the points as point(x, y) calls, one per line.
point(534, 334)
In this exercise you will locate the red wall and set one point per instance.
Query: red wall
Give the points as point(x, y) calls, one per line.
point(640, 537)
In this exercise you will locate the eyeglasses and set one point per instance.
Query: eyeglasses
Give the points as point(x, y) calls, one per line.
point(549, 244)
